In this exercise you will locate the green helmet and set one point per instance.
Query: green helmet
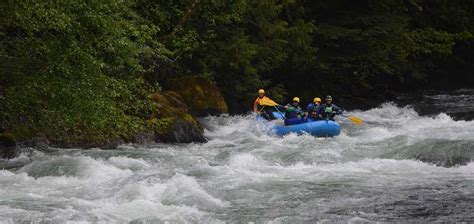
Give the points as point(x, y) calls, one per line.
point(328, 97)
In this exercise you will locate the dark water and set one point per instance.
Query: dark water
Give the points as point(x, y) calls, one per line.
point(406, 164)
point(458, 104)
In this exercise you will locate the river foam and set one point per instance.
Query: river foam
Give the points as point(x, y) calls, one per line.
point(399, 166)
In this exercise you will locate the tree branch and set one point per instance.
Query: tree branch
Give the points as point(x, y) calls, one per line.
point(183, 19)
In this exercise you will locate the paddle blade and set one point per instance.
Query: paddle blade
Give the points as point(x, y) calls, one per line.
point(268, 102)
point(356, 120)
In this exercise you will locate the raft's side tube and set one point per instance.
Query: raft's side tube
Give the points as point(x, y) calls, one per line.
point(322, 128)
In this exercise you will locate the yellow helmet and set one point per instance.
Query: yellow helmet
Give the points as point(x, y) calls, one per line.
point(296, 99)
point(317, 99)
point(261, 91)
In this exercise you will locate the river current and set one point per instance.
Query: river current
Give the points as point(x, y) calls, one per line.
point(400, 165)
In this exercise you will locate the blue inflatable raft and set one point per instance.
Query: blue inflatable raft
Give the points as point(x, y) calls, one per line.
point(320, 128)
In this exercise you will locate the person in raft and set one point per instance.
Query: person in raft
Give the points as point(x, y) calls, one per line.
point(312, 109)
point(260, 107)
point(328, 110)
point(293, 113)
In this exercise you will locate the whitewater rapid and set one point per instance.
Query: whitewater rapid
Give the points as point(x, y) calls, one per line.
point(399, 166)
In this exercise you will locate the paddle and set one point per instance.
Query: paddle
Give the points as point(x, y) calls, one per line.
point(268, 102)
point(282, 115)
point(354, 119)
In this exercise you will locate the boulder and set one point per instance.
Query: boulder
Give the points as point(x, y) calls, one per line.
point(8, 149)
point(201, 96)
point(171, 121)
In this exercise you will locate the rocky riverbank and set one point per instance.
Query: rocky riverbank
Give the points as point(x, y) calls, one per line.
point(172, 121)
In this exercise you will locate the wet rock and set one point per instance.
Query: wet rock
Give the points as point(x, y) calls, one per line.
point(40, 143)
point(172, 122)
point(8, 149)
point(200, 95)
point(146, 137)
point(182, 131)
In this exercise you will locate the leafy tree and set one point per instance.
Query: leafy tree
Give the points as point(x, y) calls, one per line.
point(74, 69)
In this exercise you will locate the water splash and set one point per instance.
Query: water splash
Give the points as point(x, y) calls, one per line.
point(399, 166)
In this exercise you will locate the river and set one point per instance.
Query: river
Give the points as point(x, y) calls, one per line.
point(406, 164)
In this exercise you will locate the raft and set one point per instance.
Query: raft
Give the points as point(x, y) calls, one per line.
point(319, 128)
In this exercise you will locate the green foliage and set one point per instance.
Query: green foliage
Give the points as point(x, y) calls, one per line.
point(340, 46)
point(375, 46)
point(82, 70)
point(75, 70)
point(160, 125)
point(242, 44)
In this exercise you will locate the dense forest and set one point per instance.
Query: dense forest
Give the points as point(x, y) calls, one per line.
point(88, 66)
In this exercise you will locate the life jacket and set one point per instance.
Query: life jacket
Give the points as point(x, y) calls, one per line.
point(292, 111)
point(257, 104)
point(314, 111)
point(328, 109)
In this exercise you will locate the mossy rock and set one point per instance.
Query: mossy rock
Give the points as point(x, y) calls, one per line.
point(171, 121)
point(200, 95)
point(175, 100)
point(181, 129)
point(169, 103)
point(175, 129)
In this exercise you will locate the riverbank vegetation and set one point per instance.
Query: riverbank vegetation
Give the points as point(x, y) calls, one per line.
point(77, 70)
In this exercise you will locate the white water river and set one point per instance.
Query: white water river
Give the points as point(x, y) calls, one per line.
point(399, 166)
